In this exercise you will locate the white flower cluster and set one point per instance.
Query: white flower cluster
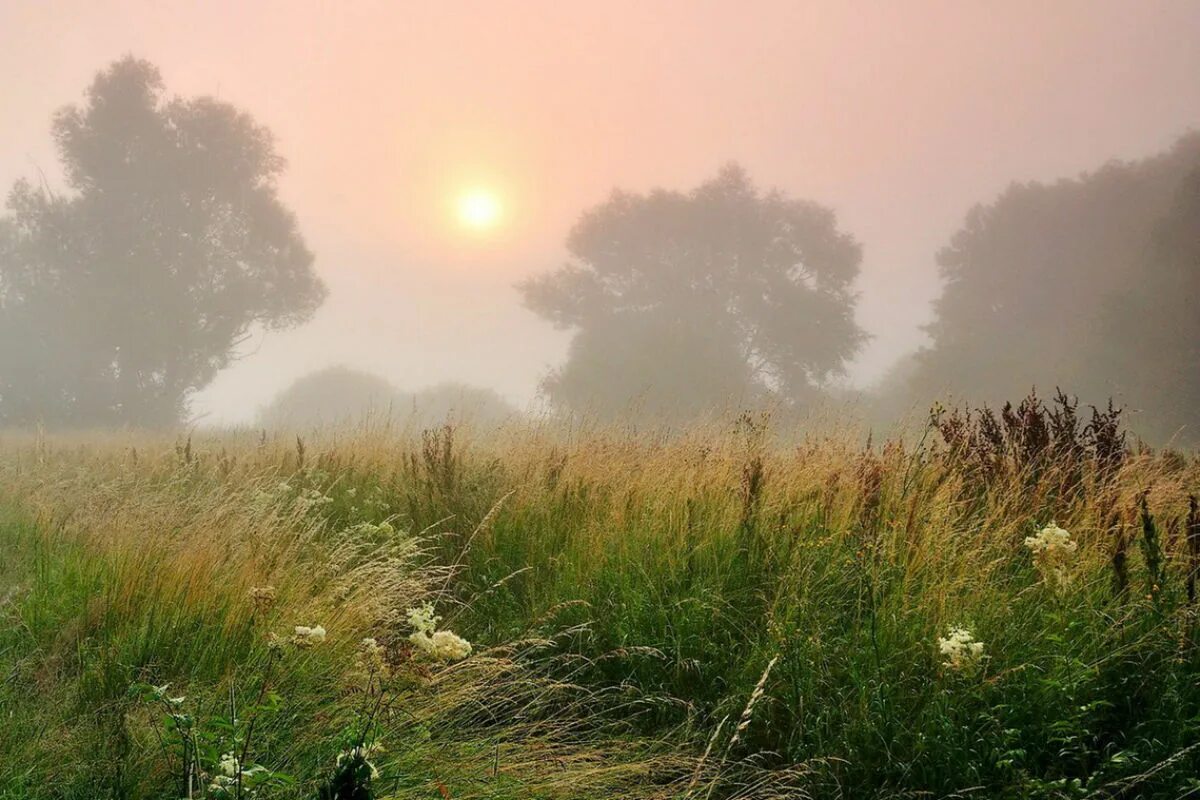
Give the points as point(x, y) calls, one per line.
point(371, 530)
point(307, 637)
point(226, 777)
point(430, 642)
point(160, 693)
point(423, 619)
point(228, 765)
point(312, 500)
point(963, 653)
point(266, 498)
point(363, 754)
point(1052, 550)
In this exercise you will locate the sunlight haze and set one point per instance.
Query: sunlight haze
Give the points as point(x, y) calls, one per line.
point(899, 119)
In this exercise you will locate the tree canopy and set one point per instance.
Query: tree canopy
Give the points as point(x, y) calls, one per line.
point(121, 297)
point(1038, 286)
point(1151, 328)
point(685, 302)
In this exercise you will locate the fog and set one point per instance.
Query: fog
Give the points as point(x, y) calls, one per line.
point(898, 117)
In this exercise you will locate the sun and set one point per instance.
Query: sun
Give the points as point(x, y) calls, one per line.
point(479, 209)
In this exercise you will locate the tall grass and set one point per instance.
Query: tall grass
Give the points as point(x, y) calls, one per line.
point(718, 612)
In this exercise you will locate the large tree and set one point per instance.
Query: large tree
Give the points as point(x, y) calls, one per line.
point(1151, 328)
point(687, 302)
point(1029, 280)
point(130, 291)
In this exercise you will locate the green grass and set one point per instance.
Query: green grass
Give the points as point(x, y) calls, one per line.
point(625, 597)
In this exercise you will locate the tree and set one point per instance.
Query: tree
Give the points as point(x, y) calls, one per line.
point(457, 404)
point(683, 303)
point(1028, 280)
point(340, 395)
point(331, 396)
point(124, 296)
point(1151, 328)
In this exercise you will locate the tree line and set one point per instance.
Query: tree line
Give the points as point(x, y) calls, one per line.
point(128, 292)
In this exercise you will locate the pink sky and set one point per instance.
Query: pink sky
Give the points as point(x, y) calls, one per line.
point(898, 115)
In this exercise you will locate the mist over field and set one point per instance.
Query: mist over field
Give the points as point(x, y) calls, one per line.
point(648, 400)
point(898, 121)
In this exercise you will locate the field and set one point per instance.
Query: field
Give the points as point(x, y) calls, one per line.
point(738, 610)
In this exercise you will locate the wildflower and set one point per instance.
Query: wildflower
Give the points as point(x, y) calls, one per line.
point(963, 653)
point(430, 642)
point(360, 755)
point(1052, 550)
point(383, 530)
point(312, 500)
point(443, 646)
point(228, 765)
point(226, 775)
point(263, 597)
point(422, 619)
point(307, 637)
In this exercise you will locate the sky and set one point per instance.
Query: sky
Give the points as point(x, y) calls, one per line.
point(900, 116)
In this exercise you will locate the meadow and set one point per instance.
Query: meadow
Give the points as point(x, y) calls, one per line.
point(991, 605)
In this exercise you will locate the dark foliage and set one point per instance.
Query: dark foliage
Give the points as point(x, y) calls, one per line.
point(1193, 547)
point(1032, 435)
point(1152, 552)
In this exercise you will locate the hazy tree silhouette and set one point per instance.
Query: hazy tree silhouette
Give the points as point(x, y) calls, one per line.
point(339, 395)
point(686, 302)
point(328, 396)
point(1151, 328)
point(123, 296)
point(1028, 280)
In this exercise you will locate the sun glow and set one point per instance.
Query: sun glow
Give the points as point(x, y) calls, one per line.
point(479, 209)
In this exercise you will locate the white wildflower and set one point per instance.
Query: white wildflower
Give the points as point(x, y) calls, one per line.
point(382, 530)
point(422, 618)
point(306, 636)
point(361, 753)
point(228, 765)
point(448, 646)
point(430, 642)
point(312, 499)
point(963, 653)
point(1052, 550)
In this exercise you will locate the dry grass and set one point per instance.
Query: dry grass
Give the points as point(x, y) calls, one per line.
point(628, 596)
